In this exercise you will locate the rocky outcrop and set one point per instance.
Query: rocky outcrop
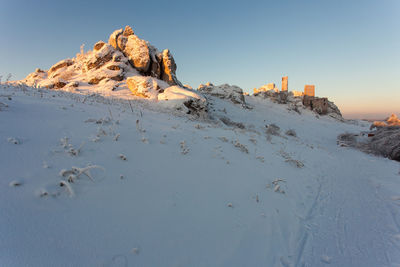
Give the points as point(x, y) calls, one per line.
point(113, 40)
point(168, 68)
point(393, 120)
point(384, 141)
point(138, 53)
point(147, 87)
point(224, 91)
point(128, 31)
point(102, 55)
point(59, 67)
point(144, 57)
point(124, 55)
point(97, 46)
point(185, 100)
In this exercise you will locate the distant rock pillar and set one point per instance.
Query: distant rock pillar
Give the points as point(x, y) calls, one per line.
point(285, 83)
point(309, 90)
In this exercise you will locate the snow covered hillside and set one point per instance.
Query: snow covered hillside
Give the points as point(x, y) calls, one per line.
point(88, 180)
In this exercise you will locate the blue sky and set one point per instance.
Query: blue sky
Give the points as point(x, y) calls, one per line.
point(349, 49)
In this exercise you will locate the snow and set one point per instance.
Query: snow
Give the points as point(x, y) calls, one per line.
point(187, 193)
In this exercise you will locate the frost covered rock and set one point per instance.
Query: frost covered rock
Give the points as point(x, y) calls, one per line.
point(168, 68)
point(124, 55)
point(128, 31)
point(114, 38)
point(59, 66)
point(98, 45)
point(224, 91)
point(35, 77)
point(186, 100)
point(393, 120)
point(144, 57)
point(147, 87)
point(100, 56)
point(53, 83)
point(384, 141)
point(138, 53)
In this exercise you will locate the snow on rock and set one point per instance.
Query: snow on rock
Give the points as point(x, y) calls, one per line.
point(60, 67)
point(393, 120)
point(138, 53)
point(224, 91)
point(383, 141)
point(183, 99)
point(168, 68)
point(105, 69)
point(114, 37)
point(145, 86)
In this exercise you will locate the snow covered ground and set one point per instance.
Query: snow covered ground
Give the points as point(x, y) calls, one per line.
point(174, 191)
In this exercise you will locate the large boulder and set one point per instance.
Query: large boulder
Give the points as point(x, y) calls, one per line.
point(138, 53)
point(142, 86)
point(184, 100)
point(384, 141)
point(144, 57)
point(224, 91)
point(393, 120)
point(59, 67)
point(114, 38)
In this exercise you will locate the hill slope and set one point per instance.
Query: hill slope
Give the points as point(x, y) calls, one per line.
point(174, 191)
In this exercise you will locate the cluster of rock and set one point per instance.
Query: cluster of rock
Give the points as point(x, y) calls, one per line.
point(124, 55)
point(383, 141)
point(144, 57)
point(224, 91)
point(126, 60)
point(393, 120)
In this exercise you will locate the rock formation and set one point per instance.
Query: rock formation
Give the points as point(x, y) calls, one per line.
point(116, 60)
point(383, 141)
point(393, 120)
point(224, 91)
point(144, 57)
point(125, 61)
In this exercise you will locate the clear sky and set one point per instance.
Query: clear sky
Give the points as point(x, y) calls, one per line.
point(349, 49)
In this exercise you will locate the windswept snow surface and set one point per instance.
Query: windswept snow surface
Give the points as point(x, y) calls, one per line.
point(174, 191)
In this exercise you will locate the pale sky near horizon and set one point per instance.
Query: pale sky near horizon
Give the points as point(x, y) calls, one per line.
point(348, 49)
